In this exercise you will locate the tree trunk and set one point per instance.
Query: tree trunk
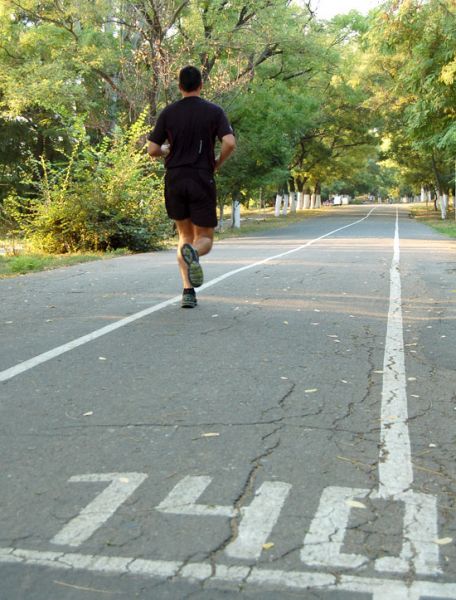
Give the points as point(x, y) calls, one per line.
point(292, 187)
point(236, 214)
point(437, 177)
point(318, 195)
point(221, 205)
point(306, 198)
point(278, 205)
point(444, 205)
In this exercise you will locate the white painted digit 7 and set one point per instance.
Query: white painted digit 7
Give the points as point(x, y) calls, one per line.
point(95, 514)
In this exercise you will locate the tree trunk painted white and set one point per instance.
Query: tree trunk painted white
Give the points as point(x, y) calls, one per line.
point(221, 217)
point(300, 200)
point(444, 206)
point(293, 201)
point(318, 201)
point(278, 205)
point(423, 195)
point(306, 201)
point(312, 201)
point(236, 214)
point(285, 205)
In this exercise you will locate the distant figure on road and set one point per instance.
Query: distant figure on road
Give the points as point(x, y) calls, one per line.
point(191, 127)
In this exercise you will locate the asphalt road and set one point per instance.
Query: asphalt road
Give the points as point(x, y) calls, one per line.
point(291, 437)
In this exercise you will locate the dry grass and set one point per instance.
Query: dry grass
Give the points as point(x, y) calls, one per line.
point(428, 216)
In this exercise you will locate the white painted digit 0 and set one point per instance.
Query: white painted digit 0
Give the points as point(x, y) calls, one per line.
point(95, 514)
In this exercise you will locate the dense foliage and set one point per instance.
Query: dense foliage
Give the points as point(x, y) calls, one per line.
point(359, 105)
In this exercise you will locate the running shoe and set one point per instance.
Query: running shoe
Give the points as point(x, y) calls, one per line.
point(195, 272)
point(189, 300)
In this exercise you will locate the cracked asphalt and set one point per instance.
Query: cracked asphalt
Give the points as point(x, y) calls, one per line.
point(281, 363)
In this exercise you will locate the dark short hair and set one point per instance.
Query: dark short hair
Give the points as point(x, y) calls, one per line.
point(190, 79)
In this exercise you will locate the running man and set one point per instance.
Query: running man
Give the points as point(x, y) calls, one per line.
point(191, 127)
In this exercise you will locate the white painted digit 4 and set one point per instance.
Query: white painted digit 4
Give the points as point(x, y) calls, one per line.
point(257, 520)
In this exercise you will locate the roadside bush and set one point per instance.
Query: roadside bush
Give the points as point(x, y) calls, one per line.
point(104, 197)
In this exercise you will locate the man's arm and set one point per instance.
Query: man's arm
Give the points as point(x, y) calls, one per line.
point(227, 149)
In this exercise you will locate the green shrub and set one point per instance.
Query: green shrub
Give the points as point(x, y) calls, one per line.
point(104, 197)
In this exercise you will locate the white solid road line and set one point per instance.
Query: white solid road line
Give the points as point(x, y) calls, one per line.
point(395, 464)
point(85, 339)
point(323, 544)
point(382, 589)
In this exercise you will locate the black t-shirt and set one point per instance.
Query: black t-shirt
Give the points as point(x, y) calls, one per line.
point(191, 126)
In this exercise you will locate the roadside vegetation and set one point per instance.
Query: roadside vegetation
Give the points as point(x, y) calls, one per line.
point(363, 106)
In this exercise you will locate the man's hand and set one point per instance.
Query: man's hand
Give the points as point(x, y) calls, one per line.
point(156, 151)
point(228, 147)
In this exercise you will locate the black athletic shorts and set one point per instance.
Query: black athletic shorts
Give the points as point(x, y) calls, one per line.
point(191, 194)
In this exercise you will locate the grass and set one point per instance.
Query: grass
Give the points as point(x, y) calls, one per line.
point(428, 216)
point(26, 262)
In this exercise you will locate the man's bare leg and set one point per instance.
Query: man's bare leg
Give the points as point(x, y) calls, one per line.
point(185, 230)
point(200, 238)
point(203, 239)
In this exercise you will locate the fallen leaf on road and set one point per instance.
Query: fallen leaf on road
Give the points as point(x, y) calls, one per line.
point(268, 546)
point(432, 445)
point(379, 371)
point(284, 378)
point(411, 378)
point(355, 504)
point(88, 414)
point(85, 589)
point(101, 358)
point(333, 336)
point(285, 322)
point(209, 435)
point(443, 541)
point(414, 396)
point(124, 479)
point(344, 381)
point(316, 310)
point(311, 391)
point(214, 316)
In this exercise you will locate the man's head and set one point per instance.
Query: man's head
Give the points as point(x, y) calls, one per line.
point(190, 80)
